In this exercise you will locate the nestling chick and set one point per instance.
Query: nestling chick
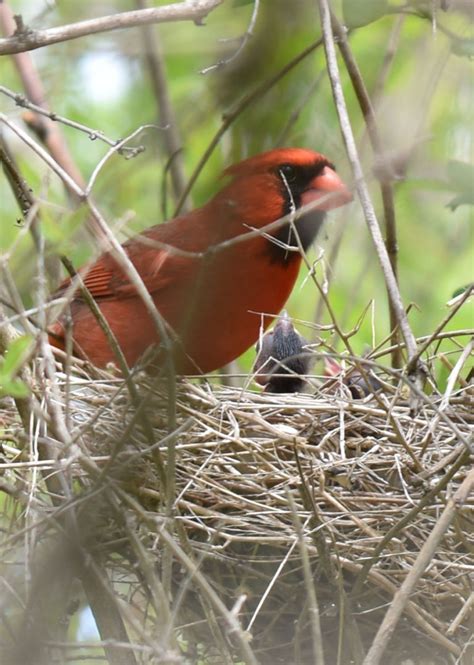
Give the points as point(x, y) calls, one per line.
point(282, 360)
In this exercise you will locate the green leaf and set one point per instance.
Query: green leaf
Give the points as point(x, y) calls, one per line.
point(13, 387)
point(461, 290)
point(361, 12)
point(242, 3)
point(17, 353)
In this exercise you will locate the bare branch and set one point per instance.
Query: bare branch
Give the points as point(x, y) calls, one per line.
point(360, 182)
point(93, 134)
point(367, 109)
point(26, 39)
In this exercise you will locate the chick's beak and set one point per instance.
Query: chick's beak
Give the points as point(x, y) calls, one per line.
point(329, 188)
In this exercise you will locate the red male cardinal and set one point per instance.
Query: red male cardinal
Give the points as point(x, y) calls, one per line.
point(215, 299)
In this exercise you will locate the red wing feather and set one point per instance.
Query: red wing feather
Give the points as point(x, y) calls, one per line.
point(106, 280)
point(157, 267)
point(99, 279)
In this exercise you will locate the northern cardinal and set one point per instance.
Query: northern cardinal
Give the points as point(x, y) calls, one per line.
point(281, 358)
point(217, 298)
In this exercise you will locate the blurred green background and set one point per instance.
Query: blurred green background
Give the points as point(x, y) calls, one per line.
point(424, 99)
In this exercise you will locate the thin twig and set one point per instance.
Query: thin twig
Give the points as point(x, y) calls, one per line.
point(201, 581)
point(385, 185)
point(243, 42)
point(93, 134)
point(362, 188)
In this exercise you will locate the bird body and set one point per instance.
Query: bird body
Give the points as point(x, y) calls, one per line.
point(282, 358)
point(214, 289)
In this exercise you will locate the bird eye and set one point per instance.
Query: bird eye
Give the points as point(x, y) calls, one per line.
point(288, 172)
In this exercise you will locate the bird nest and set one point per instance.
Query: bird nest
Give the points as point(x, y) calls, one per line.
point(283, 516)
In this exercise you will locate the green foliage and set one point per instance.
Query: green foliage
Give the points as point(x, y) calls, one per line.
point(15, 357)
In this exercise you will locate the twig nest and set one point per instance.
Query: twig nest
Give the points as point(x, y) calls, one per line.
point(250, 467)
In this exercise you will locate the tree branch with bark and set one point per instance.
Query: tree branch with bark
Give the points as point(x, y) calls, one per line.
point(27, 39)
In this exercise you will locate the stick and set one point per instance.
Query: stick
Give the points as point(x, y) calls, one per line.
point(26, 39)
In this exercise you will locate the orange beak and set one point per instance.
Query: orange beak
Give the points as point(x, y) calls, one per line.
point(328, 187)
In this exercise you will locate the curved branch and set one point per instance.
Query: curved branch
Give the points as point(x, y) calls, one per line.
point(26, 39)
